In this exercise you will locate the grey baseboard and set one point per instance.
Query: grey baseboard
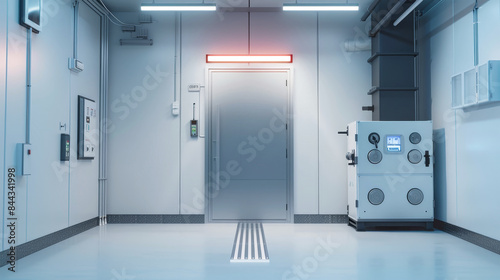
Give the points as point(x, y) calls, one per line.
point(43, 242)
point(470, 236)
point(320, 219)
point(155, 219)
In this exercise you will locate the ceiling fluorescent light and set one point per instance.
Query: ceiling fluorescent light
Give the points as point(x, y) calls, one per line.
point(250, 58)
point(407, 12)
point(320, 7)
point(178, 7)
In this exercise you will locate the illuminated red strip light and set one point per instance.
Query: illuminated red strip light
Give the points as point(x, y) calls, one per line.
point(250, 58)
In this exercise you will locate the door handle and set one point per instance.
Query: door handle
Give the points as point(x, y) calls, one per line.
point(427, 157)
point(216, 150)
point(346, 132)
point(368, 108)
point(351, 156)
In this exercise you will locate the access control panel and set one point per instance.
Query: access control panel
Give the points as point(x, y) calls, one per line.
point(194, 128)
point(64, 150)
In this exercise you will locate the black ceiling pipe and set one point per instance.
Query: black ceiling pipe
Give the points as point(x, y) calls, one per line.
point(370, 10)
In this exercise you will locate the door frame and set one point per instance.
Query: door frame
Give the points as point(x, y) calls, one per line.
point(209, 194)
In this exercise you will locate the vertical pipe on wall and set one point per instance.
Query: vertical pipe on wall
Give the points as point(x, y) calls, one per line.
point(101, 176)
point(101, 142)
point(28, 108)
point(28, 86)
point(415, 65)
point(176, 54)
point(178, 89)
point(76, 6)
point(105, 154)
point(105, 113)
point(103, 139)
point(476, 33)
point(317, 101)
point(249, 26)
point(4, 128)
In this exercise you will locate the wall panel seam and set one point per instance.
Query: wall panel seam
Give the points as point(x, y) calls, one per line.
point(5, 120)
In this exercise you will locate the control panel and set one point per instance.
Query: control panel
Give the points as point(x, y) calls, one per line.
point(193, 128)
point(65, 145)
point(399, 146)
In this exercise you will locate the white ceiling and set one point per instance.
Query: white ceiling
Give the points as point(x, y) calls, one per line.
point(134, 5)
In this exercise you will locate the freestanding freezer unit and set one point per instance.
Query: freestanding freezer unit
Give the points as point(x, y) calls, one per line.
point(390, 174)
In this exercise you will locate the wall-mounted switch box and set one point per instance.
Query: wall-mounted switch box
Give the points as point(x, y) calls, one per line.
point(24, 159)
point(194, 128)
point(75, 65)
point(175, 108)
point(194, 87)
point(64, 147)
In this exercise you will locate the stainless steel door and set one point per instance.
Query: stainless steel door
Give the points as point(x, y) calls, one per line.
point(248, 136)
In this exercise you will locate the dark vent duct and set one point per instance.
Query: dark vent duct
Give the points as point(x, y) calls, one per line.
point(393, 63)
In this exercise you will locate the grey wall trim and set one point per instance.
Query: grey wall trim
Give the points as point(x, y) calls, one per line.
point(43, 242)
point(156, 219)
point(320, 219)
point(470, 236)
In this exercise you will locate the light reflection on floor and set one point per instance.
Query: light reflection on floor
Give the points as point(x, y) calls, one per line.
point(297, 251)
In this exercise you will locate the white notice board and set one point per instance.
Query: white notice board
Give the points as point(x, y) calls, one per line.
point(88, 135)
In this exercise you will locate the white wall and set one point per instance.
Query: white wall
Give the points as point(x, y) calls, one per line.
point(343, 80)
point(466, 148)
point(143, 147)
point(56, 195)
point(3, 70)
point(155, 167)
point(83, 190)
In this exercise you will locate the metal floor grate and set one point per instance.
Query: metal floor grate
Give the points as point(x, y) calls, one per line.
point(249, 244)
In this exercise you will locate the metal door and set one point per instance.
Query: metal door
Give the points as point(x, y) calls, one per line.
point(248, 136)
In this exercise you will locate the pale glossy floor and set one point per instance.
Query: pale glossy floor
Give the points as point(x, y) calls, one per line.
point(145, 252)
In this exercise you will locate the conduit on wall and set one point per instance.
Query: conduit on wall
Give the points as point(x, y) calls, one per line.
point(73, 63)
point(28, 86)
point(103, 112)
point(476, 33)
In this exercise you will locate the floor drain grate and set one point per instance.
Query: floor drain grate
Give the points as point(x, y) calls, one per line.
point(249, 244)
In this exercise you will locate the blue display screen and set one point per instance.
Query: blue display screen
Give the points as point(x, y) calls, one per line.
point(393, 143)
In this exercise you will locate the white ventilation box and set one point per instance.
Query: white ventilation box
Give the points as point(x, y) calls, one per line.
point(457, 89)
point(470, 87)
point(476, 86)
point(489, 82)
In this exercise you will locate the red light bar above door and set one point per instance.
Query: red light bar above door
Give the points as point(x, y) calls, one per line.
point(249, 58)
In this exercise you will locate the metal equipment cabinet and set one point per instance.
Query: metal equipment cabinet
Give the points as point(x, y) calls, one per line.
point(390, 174)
